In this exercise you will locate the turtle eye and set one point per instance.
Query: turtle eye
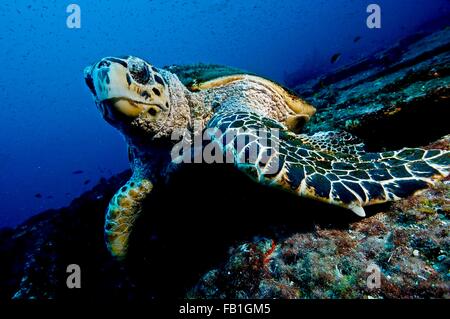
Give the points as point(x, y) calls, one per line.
point(139, 71)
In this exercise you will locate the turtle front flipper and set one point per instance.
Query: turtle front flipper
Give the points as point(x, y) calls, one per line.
point(123, 209)
point(348, 177)
point(334, 142)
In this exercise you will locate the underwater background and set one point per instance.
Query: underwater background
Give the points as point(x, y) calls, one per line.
point(54, 144)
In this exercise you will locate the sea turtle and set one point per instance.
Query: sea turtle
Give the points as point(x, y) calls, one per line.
point(148, 104)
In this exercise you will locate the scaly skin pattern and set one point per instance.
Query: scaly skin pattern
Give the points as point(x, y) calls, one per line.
point(147, 105)
point(122, 212)
point(329, 170)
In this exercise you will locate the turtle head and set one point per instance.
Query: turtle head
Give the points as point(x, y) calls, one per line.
point(131, 94)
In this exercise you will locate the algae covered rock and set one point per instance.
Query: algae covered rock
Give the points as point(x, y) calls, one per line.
point(35, 255)
point(406, 245)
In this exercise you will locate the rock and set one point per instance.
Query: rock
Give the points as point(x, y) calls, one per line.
point(184, 232)
point(332, 262)
point(35, 254)
point(398, 97)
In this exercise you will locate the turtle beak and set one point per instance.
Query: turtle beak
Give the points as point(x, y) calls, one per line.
point(88, 78)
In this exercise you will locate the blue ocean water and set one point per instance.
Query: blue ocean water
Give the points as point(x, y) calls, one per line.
point(54, 144)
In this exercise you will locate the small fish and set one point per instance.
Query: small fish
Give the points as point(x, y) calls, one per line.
point(335, 58)
point(77, 172)
point(38, 195)
point(356, 39)
point(86, 182)
point(49, 197)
